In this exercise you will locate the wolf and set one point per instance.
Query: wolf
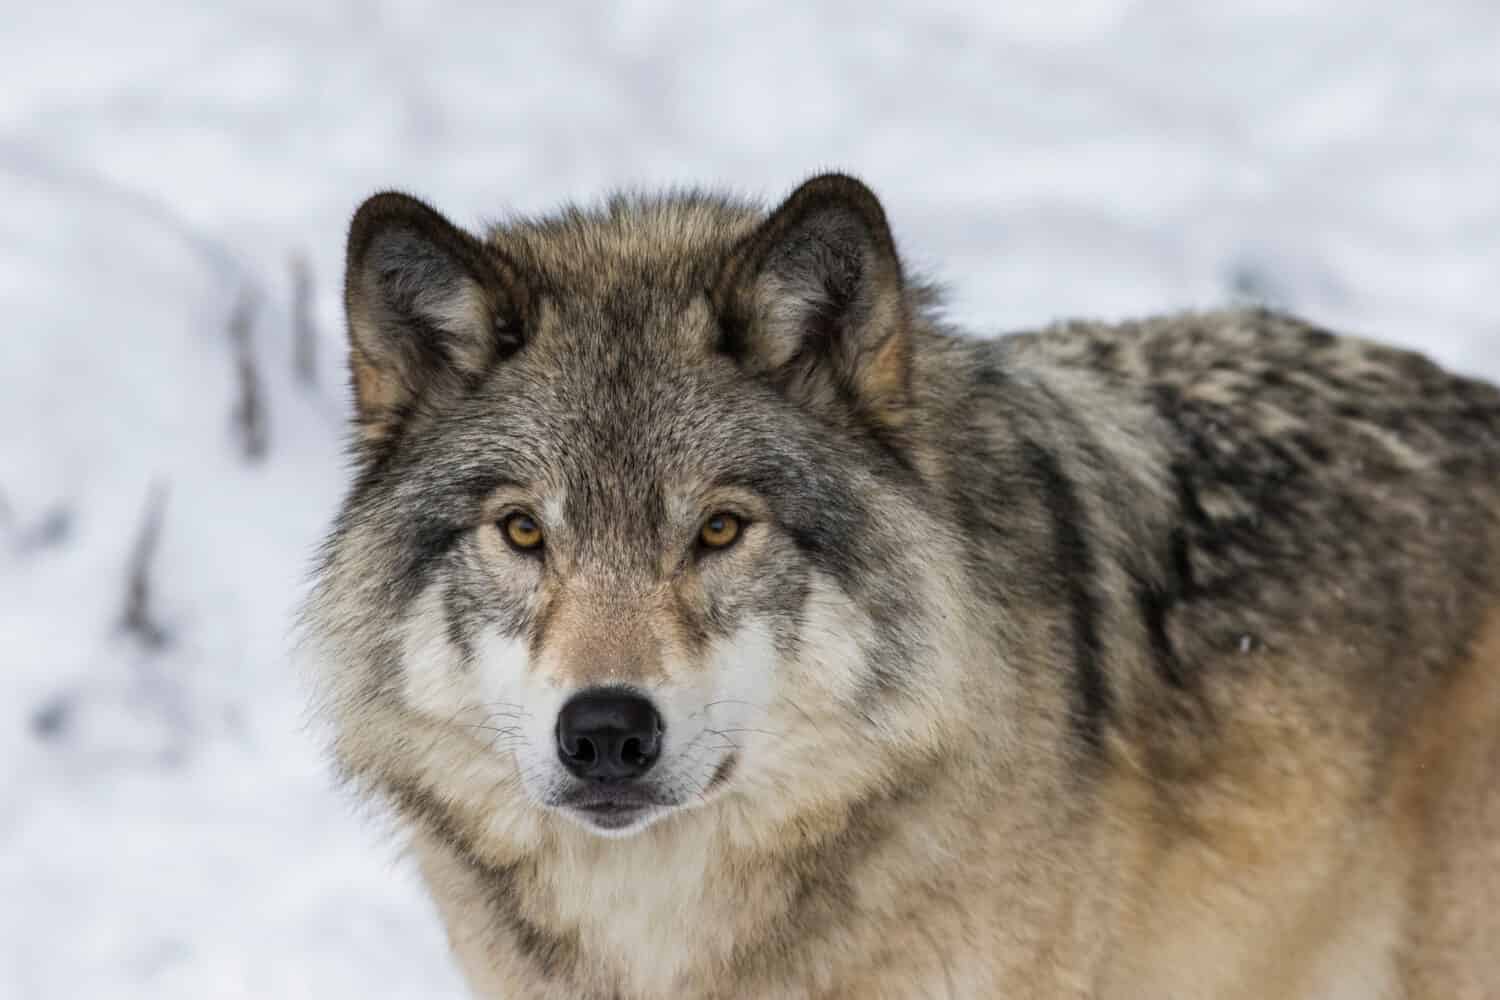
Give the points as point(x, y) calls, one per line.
point(715, 620)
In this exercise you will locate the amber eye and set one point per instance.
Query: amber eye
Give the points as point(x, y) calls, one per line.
point(719, 531)
point(522, 531)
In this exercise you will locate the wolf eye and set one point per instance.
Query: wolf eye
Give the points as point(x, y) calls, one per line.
point(719, 531)
point(522, 532)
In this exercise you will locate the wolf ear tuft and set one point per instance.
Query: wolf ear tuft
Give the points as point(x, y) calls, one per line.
point(428, 304)
point(815, 299)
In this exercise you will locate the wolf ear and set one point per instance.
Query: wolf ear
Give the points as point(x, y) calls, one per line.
point(428, 306)
point(815, 299)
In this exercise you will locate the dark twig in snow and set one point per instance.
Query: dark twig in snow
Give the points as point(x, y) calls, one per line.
point(138, 619)
point(304, 332)
point(249, 411)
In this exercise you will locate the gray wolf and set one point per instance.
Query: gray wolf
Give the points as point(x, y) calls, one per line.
point(716, 621)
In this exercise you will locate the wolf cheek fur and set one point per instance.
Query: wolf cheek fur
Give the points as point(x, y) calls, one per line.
point(1159, 659)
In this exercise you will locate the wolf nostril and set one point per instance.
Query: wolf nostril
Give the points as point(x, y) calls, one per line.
point(631, 752)
point(608, 735)
point(584, 753)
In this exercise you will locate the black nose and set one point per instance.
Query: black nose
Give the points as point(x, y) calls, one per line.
point(608, 735)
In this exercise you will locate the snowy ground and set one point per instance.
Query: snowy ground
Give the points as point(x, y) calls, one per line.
point(166, 829)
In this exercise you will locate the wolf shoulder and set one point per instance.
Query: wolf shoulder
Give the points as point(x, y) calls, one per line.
point(1298, 481)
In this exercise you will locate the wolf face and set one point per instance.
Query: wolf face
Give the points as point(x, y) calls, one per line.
point(633, 518)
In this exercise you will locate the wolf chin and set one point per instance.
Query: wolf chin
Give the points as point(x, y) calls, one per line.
point(717, 622)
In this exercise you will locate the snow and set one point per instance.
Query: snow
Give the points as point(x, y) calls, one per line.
point(166, 826)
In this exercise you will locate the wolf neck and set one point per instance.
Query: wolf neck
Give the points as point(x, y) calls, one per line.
point(691, 901)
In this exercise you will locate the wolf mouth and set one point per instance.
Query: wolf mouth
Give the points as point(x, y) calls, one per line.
point(605, 796)
point(605, 810)
point(613, 807)
point(614, 813)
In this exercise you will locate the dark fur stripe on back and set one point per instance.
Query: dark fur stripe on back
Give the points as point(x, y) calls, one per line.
point(1156, 598)
point(1073, 559)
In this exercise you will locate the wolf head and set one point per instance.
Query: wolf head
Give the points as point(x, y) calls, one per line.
point(635, 524)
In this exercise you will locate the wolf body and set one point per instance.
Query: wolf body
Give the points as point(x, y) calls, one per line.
point(1158, 659)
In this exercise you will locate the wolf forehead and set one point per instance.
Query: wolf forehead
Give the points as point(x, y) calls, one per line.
point(635, 252)
point(618, 316)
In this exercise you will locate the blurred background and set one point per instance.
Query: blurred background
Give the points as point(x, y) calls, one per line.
point(176, 180)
